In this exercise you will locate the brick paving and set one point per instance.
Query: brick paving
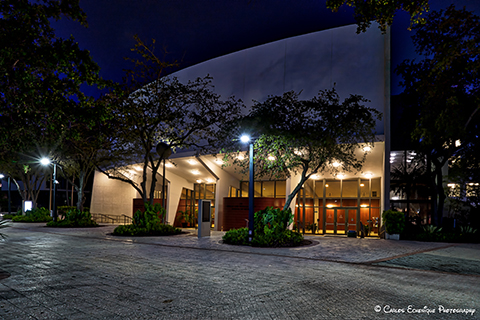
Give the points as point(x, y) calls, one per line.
point(90, 274)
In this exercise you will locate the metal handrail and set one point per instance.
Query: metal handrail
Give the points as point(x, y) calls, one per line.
point(124, 218)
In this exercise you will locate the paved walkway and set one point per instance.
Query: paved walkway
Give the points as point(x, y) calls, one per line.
point(91, 274)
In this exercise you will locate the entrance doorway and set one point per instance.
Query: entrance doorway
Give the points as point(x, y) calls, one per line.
point(340, 220)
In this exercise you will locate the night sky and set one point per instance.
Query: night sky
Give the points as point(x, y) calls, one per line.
point(197, 30)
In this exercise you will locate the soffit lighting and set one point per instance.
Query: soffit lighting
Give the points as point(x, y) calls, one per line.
point(367, 148)
point(192, 162)
point(198, 181)
point(314, 177)
point(340, 176)
point(168, 165)
point(195, 172)
point(240, 157)
point(271, 158)
point(137, 168)
point(368, 175)
point(219, 161)
point(210, 180)
point(336, 164)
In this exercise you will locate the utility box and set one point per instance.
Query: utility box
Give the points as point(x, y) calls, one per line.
point(204, 218)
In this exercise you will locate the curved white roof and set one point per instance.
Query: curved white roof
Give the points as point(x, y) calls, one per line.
point(354, 63)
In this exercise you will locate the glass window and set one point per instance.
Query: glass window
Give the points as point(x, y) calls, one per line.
point(268, 189)
point(349, 202)
point(280, 189)
point(308, 187)
point(257, 189)
point(210, 191)
point(199, 194)
point(333, 188)
point(319, 189)
point(244, 189)
point(376, 188)
point(350, 189)
point(364, 188)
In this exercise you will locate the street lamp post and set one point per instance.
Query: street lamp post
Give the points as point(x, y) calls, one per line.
point(251, 182)
point(46, 162)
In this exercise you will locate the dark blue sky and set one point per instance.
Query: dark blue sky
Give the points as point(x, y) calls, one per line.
point(197, 30)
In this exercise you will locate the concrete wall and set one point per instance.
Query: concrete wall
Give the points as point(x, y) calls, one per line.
point(111, 197)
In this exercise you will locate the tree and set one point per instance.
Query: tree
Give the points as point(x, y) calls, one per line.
point(382, 12)
point(409, 179)
point(307, 136)
point(161, 109)
point(442, 92)
point(40, 79)
point(86, 136)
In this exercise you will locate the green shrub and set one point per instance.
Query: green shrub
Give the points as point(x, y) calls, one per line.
point(270, 230)
point(34, 215)
point(147, 223)
point(74, 218)
point(436, 234)
point(236, 236)
point(9, 216)
point(394, 221)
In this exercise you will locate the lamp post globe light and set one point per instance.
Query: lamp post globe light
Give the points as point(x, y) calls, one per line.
point(46, 162)
point(246, 139)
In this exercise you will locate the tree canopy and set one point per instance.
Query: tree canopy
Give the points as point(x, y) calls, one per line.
point(442, 91)
point(382, 12)
point(157, 109)
point(306, 137)
point(40, 82)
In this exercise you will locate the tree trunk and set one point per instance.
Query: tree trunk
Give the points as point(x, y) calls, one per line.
point(80, 190)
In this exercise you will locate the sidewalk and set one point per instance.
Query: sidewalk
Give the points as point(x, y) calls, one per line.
point(80, 274)
point(435, 256)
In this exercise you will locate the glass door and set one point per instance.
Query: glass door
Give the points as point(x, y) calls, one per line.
point(352, 219)
point(341, 221)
